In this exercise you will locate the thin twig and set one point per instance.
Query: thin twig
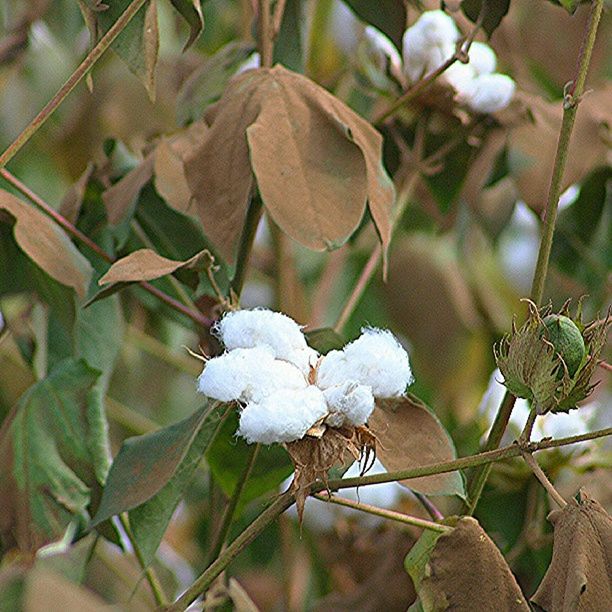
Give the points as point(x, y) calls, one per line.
point(383, 512)
point(265, 34)
point(541, 476)
point(431, 508)
point(194, 315)
point(277, 17)
point(531, 419)
point(84, 67)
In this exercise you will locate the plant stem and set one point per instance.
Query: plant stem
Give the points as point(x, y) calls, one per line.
point(84, 67)
point(149, 572)
point(266, 34)
point(194, 315)
point(230, 509)
point(431, 508)
point(285, 500)
point(570, 106)
point(246, 243)
point(384, 513)
point(541, 476)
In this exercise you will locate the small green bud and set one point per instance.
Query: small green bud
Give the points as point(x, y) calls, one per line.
point(565, 336)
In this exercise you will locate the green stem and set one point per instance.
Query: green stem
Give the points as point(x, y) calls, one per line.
point(84, 67)
point(384, 513)
point(570, 107)
point(543, 479)
point(230, 509)
point(246, 244)
point(149, 572)
point(285, 500)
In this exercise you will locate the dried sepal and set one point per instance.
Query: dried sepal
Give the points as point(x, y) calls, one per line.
point(535, 370)
point(313, 457)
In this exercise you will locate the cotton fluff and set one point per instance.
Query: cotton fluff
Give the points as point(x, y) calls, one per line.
point(482, 60)
point(376, 359)
point(428, 44)
point(349, 403)
point(283, 416)
point(258, 328)
point(248, 374)
point(488, 93)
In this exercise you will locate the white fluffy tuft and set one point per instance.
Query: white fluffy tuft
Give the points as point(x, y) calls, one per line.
point(248, 374)
point(349, 404)
point(376, 359)
point(488, 93)
point(283, 416)
point(482, 58)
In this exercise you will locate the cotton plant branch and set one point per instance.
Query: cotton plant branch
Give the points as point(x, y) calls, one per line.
point(73, 80)
point(573, 93)
point(541, 476)
point(284, 501)
point(196, 316)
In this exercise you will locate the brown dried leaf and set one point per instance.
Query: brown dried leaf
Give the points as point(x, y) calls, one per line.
point(466, 572)
point(580, 574)
point(315, 160)
point(408, 436)
point(240, 598)
point(71, 203)
point(47, 244)
point(169, 171)
point(146, 264)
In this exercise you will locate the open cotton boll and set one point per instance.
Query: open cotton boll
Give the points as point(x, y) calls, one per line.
point(250, 328)
point(283, 416)
point(248, 374)
point(349, 403)
point(488, 93)
point(304, 359)
point(459, 76)
point(482, 58)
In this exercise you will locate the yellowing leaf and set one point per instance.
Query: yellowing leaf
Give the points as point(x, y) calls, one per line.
point(410, 436)
point(580, 574)
point(315, 160)
point(47, 244)
point(144, 264)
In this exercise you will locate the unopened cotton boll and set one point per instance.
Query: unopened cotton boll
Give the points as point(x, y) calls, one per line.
point(283, 416)
point(251, 328)
point(488, 93)
point(349, 403)
point(248, 374)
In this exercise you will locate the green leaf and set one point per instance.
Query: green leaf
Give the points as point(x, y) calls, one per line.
point(137, 45)
point(417, 558)
point(324, 339)
point(228, 455)
point(149, 521)
point(495, 11)
point(288, 49)
point(50, 449)
point(191, 11)
point(569, 5)
point(206, 83)
point(410, 435)
point(145, 464)
point(389, 16)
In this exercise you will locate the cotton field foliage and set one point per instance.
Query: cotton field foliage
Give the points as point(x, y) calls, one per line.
point(285, 388)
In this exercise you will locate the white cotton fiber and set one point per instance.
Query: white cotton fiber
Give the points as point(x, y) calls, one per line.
point(248, 374)
point(428, 44)
point(482, 58)
point(376, 359)
point(283, 416)
point(349, 404)
point(488, 93)
point(251, 328)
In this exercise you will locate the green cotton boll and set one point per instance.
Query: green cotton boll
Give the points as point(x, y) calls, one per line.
point(567, 340)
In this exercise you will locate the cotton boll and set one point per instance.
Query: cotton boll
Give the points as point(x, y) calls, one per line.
point(333, 370)
point(304, 359)
point(283, 416)
point(436, 28)
point(248, 374)
point(488, 93)
point(459, 76)
point(379, 57)
point(349, 403)
point(482, 58)
point(251, 328)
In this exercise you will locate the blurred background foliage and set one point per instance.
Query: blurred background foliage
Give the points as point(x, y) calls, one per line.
point(461, 259)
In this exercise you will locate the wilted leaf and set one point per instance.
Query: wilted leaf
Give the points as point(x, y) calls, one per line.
point(409, 435)
point(463, 570)
point(149, 521)
point(145, 464)
point(120, 199)
point(146, 264)
point(191, 11)
point(330, 163)
point(495, 11)
point(47, 244)
point(50, 447)
point(580, 574)
point(73, 199)
point(206, 84)
point(137, 45)
point(389, 16)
